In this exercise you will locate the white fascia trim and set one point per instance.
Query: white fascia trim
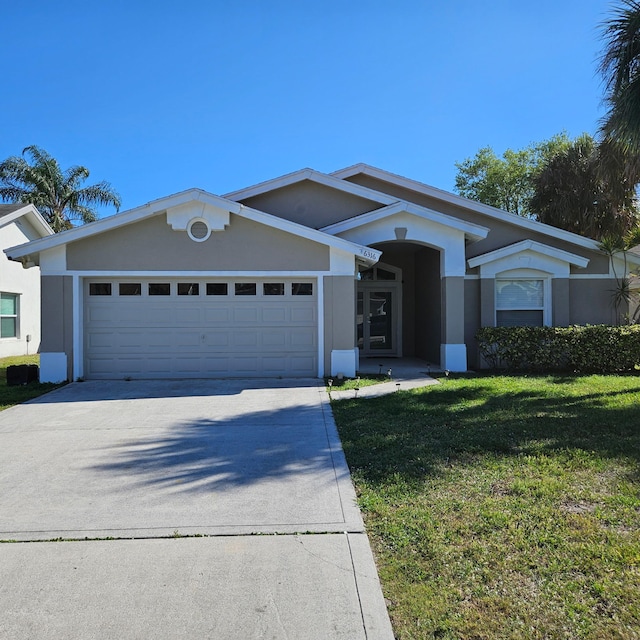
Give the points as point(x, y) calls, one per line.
point(34, 217)
point(193, 274)
point(122, 219)
point(572, 276)
point(185, 197)
point(313, 176)
point(475, 231)
point(78, 351)
point(320, 312)
point(451, 198)
point(528, 245)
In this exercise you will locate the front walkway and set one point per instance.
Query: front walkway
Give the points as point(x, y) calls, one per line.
point(404, 374)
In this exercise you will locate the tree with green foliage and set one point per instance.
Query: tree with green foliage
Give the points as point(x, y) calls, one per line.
point(574, 192)
point(57, 194)
point(620, 68)
point(507, 182)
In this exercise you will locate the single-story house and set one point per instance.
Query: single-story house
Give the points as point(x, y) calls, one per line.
point(303, 275)
point(19, 288)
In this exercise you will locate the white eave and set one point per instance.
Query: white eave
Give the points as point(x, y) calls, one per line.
point(364, 254)
point(471, 230)
point(472, 205)
point(34, 217)
point(528, 245)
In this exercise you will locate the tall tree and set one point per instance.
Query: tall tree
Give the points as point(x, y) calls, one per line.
point(573, 192)
point(620, 68)
point(506, 182)
point(58, 194)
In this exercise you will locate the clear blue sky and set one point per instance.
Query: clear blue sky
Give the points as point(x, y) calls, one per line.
point(159, 96)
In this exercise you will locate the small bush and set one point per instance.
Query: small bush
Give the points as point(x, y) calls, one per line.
point(582, 349)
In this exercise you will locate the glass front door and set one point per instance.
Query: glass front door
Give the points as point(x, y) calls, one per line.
point(377, 321)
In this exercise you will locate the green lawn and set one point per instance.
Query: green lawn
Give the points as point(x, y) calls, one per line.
point(503, 507)
point(15, 395)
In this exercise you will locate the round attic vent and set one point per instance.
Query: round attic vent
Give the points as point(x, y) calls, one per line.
point(198, 230)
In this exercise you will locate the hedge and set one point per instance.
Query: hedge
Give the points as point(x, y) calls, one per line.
point(581, 349)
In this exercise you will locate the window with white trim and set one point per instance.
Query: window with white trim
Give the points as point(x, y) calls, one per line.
point(520, 303)
point(8, 315)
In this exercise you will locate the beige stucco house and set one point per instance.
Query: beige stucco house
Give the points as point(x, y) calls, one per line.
point(303, 275)
point(19, 288)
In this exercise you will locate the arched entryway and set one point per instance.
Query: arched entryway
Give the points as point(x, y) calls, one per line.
point(399, 303)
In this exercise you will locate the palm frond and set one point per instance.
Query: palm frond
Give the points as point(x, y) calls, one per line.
point(37, 178)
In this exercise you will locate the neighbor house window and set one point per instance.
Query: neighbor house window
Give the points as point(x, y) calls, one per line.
point(519, 303)
point(8, 315)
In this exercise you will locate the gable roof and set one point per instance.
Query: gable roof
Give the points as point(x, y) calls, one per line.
point(528, 245)
point(161, 205)
point(11, 212)
point(472, 205)
point(313, 176)
point(473, 231)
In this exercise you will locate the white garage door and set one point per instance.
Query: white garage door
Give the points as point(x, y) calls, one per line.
point(170, 328)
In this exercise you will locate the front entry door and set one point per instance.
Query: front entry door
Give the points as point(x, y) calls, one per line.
point(377, 321)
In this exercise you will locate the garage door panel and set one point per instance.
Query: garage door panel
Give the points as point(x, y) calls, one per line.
point(215, 365)
point(189, 316)
point(245, 314)
point(274, 365)
point(274, 338)
point(101, 340)
point(161, 366)
point(188, 339)
point(299, 364)
point(201, 335)
point(274, 314)
point(187, 365)
point(303, 315)
point(220, 315)
point(245, 365)
point(302, 339)
point(216, 339)
point(245, 339)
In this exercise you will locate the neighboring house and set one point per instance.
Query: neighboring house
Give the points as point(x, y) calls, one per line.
point(302, 276)
point(19, 288)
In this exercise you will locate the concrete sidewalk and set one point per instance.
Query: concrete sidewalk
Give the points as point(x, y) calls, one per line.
point(148, 459)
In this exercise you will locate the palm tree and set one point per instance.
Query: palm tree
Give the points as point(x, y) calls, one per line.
point(57, 194)
point(574, 192)
point(620, 67)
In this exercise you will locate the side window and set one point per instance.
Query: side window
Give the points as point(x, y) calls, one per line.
point(520, 303)
point(8, 315)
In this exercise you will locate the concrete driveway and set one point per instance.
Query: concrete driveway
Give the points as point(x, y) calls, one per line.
point(143, 460)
